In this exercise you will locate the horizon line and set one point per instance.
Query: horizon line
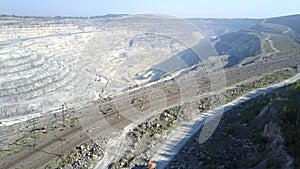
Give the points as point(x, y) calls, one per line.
point(124, 14)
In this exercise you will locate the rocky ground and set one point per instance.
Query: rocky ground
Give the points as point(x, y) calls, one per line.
point(81, 156)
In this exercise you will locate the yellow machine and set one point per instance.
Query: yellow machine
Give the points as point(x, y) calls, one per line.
point(151, 165)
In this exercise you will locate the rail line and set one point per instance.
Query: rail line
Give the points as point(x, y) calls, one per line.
point(233, 75)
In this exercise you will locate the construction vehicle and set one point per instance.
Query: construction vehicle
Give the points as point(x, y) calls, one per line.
point(151, 165)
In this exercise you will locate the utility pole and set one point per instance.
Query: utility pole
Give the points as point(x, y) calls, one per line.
point(34, 130)
point(62, 140)
point(63, 113)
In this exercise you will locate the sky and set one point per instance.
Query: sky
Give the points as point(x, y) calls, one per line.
point(177, 8)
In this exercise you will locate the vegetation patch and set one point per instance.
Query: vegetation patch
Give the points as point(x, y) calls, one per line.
point(261, 133)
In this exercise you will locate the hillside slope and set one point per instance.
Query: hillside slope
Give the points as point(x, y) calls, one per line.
point(291, 21)
point(237, 45)
point(262, 133)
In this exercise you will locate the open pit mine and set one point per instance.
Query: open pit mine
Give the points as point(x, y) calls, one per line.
point(113, 91)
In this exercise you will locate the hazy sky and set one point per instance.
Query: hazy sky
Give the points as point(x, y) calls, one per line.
point(179, 8)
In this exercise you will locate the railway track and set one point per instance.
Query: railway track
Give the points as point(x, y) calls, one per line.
point(233, 75)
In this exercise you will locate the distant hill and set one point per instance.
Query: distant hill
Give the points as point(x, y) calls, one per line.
point(292, 21)
point(110, 16)
point(217, 27)
point(241, 38)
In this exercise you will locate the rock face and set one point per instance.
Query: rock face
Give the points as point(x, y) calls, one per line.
point(237, 45)
point(185, 59)
point(37, 58)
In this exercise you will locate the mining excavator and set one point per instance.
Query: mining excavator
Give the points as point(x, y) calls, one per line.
point(151, 165)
